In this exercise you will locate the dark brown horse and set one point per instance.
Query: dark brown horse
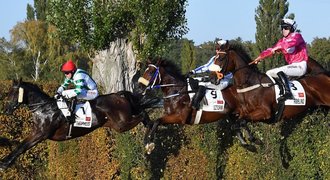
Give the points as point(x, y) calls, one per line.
point(177, 105)
point(257, 95)
point(120, 111)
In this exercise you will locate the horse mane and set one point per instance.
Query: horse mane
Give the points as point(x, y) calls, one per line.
point(34, 88)
point(239, 48)
point(242, 52)
point(171, 68)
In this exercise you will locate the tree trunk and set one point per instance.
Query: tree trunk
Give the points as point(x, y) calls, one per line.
point(114, 69)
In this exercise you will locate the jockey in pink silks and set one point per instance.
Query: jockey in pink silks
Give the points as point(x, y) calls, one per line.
point(293, 47)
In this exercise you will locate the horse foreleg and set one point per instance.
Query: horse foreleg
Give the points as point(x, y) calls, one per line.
point(149, 137)
point(27, 143)
point(238, 132)
point(250, 135)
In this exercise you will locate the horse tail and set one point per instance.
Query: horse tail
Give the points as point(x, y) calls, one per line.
point(138, 102)
point(133, 100)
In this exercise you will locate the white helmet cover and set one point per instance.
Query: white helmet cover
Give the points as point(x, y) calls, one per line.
point(289, 22)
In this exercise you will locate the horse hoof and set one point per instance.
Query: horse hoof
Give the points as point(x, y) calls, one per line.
point(258, 142)
point(250, 148)
point(150, 147)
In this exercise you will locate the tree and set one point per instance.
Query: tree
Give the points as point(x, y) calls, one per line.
point(268, 17)
point(188, 56)
point(320, 50)
point(30, 14)
point(113, 28)
point(40, 48)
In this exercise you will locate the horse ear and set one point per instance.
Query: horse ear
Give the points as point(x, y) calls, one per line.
point(149, 61)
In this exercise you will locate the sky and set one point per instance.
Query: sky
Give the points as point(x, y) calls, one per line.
point(210, 19)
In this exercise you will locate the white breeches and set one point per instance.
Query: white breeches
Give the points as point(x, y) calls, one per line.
point(294, 69)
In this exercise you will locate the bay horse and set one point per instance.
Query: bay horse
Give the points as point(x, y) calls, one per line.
point(120, 111)
point(257, 94)
point(166, 75)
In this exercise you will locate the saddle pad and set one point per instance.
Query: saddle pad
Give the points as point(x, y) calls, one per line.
point(83, 114)
point(61, 104)
point(298, 93)
point(213, 100)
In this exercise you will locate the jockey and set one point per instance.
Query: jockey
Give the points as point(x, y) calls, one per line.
point(293, 47)
point(85, 86)
point(205, 68)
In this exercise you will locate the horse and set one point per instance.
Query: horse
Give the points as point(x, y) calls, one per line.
point(120, 111)
point(166, 75)
point(257, 90)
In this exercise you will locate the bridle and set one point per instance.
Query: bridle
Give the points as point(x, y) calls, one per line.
point(20, 99)
point(151, 84)
point(224, 67)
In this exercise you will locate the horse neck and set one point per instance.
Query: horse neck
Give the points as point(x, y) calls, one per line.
point(246, 75)
point(34, 97)
point(175, 83)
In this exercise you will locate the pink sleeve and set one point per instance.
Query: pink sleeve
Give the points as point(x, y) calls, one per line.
point(266, 53)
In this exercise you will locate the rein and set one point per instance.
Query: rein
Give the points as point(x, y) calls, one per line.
point(250, 88)
point(156, 76)
point(37, 105)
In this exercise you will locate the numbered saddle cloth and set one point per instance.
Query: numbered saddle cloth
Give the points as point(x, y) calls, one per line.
point(298, 93)
point(213, 100)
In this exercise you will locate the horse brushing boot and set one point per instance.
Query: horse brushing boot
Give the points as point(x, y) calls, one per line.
point(285, 83)
point(198, 97)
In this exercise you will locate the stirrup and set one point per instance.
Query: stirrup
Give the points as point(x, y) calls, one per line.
point(285, 96)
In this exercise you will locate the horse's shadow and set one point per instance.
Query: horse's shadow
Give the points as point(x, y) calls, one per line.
point(168, 141)
point(171, 138)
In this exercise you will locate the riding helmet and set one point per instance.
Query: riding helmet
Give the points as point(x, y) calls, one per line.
point(69, 66)
point(286, 22)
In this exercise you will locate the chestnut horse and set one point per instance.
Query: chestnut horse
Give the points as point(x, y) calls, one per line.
point(177, 105)
point(120, 111)
point(257, 94)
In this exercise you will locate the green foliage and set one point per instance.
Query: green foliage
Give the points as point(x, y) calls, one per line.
point(94, 24)
point(320, 50)
point(204, 52)
point(30, 14)
point(268, 17)
point(188, 56)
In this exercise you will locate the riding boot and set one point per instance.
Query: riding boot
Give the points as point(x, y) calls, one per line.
point(72, 118)
point(198, 97)
point(285, 83)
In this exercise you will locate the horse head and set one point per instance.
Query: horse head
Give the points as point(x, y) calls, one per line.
point(23, 93)
point(232, 58)
point(15, 97)
point(159, 74)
